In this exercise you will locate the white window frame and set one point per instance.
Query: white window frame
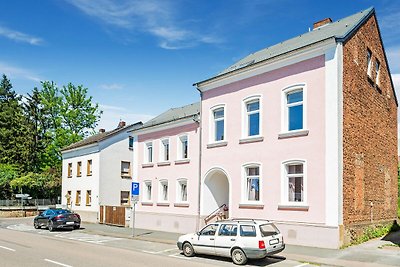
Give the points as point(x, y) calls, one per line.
point(284, 107)
point(162, 150)
point(245, 116)
point(377, 71)
point(180, 146)
point(147, 195)
point(161, 184)
point(146, 152)
point(369, 63)
point(285, 183)
point(211, 133)
point(244, 198)
point(179, 183)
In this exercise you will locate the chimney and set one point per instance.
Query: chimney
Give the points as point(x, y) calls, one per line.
point(322, 23)
point(102, 130)
point(121, 124)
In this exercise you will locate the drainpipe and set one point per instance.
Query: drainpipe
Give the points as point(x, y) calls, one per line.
point(200, 154)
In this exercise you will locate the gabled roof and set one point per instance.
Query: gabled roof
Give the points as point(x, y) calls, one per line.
point(174, 114)
point(340, 30)
point(102, 136)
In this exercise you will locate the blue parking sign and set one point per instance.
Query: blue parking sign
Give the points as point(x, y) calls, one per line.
point(135, 189)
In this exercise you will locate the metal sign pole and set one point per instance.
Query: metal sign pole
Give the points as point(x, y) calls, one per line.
point(133, 218)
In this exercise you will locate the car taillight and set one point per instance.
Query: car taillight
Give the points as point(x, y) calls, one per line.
point(77, 215)
point(261, 244)
point(59, 217)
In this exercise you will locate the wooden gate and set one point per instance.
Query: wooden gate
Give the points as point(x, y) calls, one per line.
point(113, 215)
point(101, 214)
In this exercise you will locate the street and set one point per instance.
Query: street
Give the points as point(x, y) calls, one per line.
point(22, 245)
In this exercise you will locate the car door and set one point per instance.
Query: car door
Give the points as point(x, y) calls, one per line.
point(204, 243)
point(225, 239)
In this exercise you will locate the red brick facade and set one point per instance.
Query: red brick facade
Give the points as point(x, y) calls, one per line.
point(369, 134)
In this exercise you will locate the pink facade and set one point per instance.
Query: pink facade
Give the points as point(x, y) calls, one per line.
point(173, 214)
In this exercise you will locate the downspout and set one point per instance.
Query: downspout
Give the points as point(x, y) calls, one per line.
point(200, 154)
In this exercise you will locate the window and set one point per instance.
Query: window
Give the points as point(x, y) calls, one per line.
point(125, 169)
point(124, 198)
point(164, 150)
point(88, 197)
point(219, 124)
point(294, 110)
point(147, 191)
point(69, 170)
point(89, 167)
point(252, 119)
point(377, 67)
point(294, 182)
point(78, 198)
point(247, 230)
point(163, 191)
point(68, 196)
point(183, 147)
point(131, 142)
point(209, 229)
point(149, 152)
point(252, 180)
point(369, 62)
point(228, 230)
point(182, 190)
point(79, 169)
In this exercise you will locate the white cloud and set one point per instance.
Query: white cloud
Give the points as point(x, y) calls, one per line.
point(112, 86)
point(18, 73)
point(154, 17)
point(19, 36)
point(396, 82)
point(113, 114)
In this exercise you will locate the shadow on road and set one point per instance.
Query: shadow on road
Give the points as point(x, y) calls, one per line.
point(252, 262)
point(394, 235)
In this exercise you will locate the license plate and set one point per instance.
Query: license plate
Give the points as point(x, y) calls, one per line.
point(70, 223)
point(274, 241)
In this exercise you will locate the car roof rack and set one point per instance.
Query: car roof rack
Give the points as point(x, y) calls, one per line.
point(243, 220)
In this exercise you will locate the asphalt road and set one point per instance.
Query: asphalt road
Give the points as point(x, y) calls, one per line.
point(22, 245)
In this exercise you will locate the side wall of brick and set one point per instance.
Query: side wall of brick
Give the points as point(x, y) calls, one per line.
point(369, 134)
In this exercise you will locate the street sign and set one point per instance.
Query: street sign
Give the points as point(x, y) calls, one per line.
point(135, 189)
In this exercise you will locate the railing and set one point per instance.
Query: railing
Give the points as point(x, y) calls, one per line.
point(26, 202)
point(220, 213)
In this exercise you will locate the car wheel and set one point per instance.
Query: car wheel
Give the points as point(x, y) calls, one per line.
point(50, 225)
point(238, 257)
point(36, 225)
point(187, 249)
point(77, 227)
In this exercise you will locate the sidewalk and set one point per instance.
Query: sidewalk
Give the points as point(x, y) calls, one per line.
point(374, 253)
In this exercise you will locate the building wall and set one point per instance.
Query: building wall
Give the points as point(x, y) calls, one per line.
point(83, 183)
point(369, 134)
point(171, 215)
point(297, 224)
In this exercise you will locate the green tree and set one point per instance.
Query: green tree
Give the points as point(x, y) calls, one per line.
point(8, 172)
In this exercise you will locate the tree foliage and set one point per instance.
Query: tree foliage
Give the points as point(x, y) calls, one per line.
point(34, 129)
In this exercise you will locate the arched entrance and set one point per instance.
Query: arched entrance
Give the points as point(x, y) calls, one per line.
point(215, 192)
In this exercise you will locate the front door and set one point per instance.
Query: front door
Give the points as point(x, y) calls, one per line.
point(225, 239)
point(204, 244)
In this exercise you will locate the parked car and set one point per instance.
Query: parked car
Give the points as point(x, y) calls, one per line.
point(57, 218)
point(239, 239)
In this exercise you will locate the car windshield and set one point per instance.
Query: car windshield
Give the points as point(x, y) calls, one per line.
point(61, 211)
point(268, 230)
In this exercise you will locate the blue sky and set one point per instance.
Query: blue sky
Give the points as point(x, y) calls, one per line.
point(139, 58)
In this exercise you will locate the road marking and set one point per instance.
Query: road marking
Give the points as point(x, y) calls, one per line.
point(58, 263)
point(6, 248)
point(159, 252)
point(301, 265)
point(179, 256)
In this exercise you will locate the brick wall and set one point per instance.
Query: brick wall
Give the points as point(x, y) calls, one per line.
point(369, 134)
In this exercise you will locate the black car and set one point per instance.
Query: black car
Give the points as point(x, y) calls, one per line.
point(57, 218)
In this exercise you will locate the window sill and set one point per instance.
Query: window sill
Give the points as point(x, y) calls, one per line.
point(88, 205)
point(126, 176)
point(69, 176)
point(89, 174)
point(251, 139)
point(162, 204)
point(131, 148)
point(164, 163)
point(219, 144)
point(293, 207)
point(291, 134)
point(251, 206)
point(182, 205)
point(77, 204)
point(147, 165)
point(182, 161)
point(144, 203)
point(79, 176)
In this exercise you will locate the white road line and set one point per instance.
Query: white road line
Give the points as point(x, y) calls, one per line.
point(6, 248)
point(179, 256)
point(159, 252)
point(301, 265)
point(58, 263)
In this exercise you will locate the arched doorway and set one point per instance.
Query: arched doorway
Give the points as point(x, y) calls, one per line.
point(215, 191)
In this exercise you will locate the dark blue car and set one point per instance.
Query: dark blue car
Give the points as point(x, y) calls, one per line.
point(57, 218)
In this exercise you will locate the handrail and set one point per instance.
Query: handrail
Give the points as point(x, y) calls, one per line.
point(214, 213)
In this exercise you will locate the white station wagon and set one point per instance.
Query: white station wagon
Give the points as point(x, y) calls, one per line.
point(239, 239)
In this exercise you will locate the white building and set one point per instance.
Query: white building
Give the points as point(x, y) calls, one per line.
point(98, 172)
